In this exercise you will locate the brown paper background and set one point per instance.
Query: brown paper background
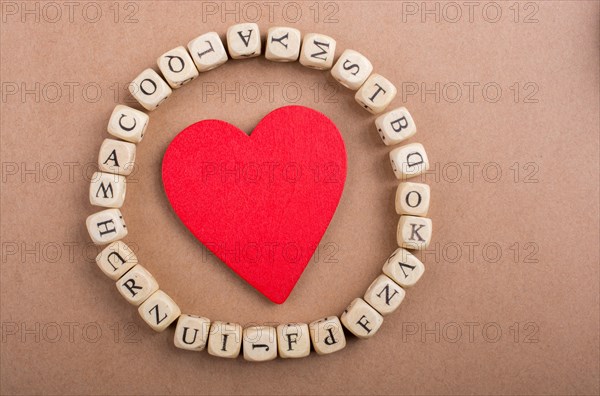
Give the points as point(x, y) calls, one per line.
point(50, 284)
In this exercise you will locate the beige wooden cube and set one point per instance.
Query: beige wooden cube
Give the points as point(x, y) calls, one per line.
point(128, 124)
point(384, 295)
point(159, 311)
point(116, 157)
point(409, 161)
point(413, 199)
point(137, 285)
point(149, 89)
point(327, 335)
point(106, 226)
point(116, 259)
point(225, 339)
point(207, 51)
point(107, 190)
point(260, 343)
point(361, 319)
point(404, 268)
point(243, 41)
point(191, 332)
point(293, 340)
point(177, 67)
point(376, 94)
point(352, 69)
point(318, 51)
point(414, 232)
point(283, 44)
point(395, 126)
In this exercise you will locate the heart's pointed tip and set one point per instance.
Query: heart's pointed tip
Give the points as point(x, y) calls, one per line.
point(278, 298)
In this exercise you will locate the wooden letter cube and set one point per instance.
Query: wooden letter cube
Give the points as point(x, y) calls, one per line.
point(207, 51)
point(128, 124)
point(107, 190)
point(361, 319)
point(352, 69)
point(159, 311)
point(376, 94)
point(177, 67)
point(243, 41)
point(225, 339)
point(116, 157)
point(260, 343)
point(137, 285)
point(283, 44)
point(317, 51)
point(191, 332)
point(384, 295)
point(409, 161)
point(395, 126)
point(116, 259)
point(149, 89)
point(293, 340)
point(414, 232)
point(403, 268)
point(327, 335)
point(106, 226)
point(412, 199)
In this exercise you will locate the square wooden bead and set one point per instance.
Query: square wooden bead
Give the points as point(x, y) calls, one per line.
point(293, 340)
point(376, 94)
point(149, 89)
point(361, 319)
point(283, 44)
point(106, 226)
point(352, 69)
point(318, 51)
point(414, 232)
point(404, 268)
point(384, 295)
point(116, 157)
point(260, 343)
point(225, 339)
point(137, 285)
point(412, 199)
point(177, 67)
point(191, 332)
point(327, 335)
point(243, 41)
point(395, 126)
point(207, 51)
point(159, 311)
point(409, 161)
point(128, 124)
point(107, 190)
point(116, 259)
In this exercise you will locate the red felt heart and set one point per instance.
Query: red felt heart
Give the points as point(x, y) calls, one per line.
point(260, 203)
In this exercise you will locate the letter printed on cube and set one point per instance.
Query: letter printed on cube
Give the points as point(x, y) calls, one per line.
point(116, 259)
point(404, 268)
point(361, 319)
point(327, 335)
point(106, 226)
point(191, 332)
point(159, 311)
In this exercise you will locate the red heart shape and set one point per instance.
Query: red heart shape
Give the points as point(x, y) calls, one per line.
point(261, 203)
